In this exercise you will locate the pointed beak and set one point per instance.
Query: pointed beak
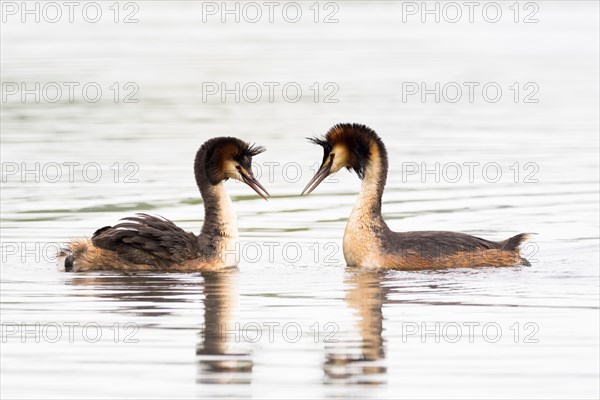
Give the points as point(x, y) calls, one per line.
point(251, 181)
point(319, 177)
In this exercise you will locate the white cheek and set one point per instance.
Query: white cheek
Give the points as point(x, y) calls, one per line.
point(340, 160)
point(234, 175)
point(231, 171)
point(336, 167)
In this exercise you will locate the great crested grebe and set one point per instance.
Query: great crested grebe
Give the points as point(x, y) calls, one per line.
point(369, 243)
point(150, 243)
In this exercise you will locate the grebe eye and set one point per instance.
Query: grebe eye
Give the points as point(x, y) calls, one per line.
point(238, 167)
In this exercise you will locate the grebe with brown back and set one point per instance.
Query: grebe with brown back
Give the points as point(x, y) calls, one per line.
point(150, 243)
point(368, 241)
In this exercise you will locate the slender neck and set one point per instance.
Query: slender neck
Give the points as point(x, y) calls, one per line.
point(367, 209)
point(219, 217)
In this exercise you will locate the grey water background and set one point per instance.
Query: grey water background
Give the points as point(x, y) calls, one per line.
point(362, 333)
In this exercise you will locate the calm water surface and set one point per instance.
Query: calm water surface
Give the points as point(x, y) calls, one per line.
point(292, 320)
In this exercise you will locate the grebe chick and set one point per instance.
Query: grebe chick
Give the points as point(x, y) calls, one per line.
point(369, 243)
point(150, 243)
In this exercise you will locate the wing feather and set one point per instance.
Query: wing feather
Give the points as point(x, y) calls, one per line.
point(147, 239)
point(434, 244)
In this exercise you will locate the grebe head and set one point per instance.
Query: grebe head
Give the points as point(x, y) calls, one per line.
point(344, 145)
point(229, 157)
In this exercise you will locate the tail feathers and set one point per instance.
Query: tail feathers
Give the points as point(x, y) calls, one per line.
point(514, 243)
